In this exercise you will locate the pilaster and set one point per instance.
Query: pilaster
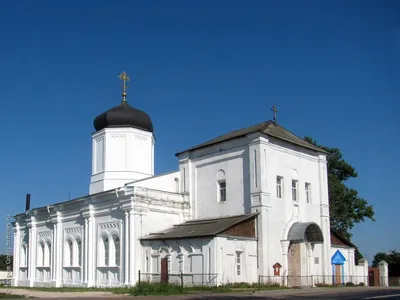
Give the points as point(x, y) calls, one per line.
point(57, 249)
point(91, 253)
point(285, 261)
point(17, 251)
point(32, 251)
point(351, 261)
point(324, 213)
point(139, 212)
point(126, 256)
point(310, 262)
point(383, 273)
point(132, 277)
point(53, 254)
point(261, 204)
point(86, 254)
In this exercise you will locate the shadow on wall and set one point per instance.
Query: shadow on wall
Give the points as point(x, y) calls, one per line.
point(246, 182)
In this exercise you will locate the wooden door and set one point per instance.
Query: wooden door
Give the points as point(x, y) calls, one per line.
point(371, 278)
point(164, 270)
point(338, 274)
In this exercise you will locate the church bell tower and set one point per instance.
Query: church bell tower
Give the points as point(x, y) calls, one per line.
point(122, 146)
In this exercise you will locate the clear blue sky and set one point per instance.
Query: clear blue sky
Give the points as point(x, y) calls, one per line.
point(200, 69)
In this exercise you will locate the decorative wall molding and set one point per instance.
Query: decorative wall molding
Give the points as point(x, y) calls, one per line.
point(141, 138)
point(118, 136)
point(140, 211)
point(99, 139)
point(109, 225)
point(167, 203)
point(73, 230)
point(45, 233)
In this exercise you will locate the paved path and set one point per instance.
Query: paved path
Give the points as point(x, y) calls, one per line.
point(58, 295)
point(372, 293)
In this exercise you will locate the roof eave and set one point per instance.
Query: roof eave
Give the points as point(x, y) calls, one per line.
point(196, 148)
point(343, 239)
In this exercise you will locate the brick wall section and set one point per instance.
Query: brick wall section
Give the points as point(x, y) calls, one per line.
point(294, 265)
point(246, 228)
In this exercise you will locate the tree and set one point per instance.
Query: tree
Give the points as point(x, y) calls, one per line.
point(346, 207)
point(6, 262)
point(393, 260)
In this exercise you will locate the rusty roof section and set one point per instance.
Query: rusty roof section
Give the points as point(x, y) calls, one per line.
point(269, 128)
point(199, 228)
point(341, 238)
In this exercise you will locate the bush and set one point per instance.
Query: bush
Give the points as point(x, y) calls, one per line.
point(155, 288)
point(246, 285)
point(361, 284)
point(148, 288)
point(350, 284)
point(326, 285)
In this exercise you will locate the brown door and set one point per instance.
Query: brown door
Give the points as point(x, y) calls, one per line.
point(164, 270)
point(371, 278)
point(338, 274)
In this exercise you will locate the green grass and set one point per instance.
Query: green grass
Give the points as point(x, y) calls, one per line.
point(10, 296)
point(147, 288)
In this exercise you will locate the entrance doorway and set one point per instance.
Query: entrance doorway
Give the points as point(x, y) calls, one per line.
point(164, 270)
point(294, 265)
point(338, 274)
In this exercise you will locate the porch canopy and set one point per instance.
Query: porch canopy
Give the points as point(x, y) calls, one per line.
point(306, 232)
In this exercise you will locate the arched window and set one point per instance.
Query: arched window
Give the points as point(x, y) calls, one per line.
point(105, 250)
point(117, 249)
point(221, 183)
point(79, 252)
point(176, 184)
point(42, 253)
point(69, 257)
point(180, 263)
point(49, 253)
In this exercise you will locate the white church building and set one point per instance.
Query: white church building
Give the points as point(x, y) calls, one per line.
point(249, 204)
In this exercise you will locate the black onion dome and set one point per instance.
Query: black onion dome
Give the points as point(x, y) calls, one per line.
point(123, 115)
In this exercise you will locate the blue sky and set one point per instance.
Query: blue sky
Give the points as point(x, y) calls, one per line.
point(200, 69)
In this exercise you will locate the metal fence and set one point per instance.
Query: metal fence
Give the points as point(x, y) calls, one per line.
point(182, 279)
point(394, 281)
point(211, 280)
point(313, 281)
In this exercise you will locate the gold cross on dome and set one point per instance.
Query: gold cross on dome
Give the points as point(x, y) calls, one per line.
point(124, 77)
point(274, 111)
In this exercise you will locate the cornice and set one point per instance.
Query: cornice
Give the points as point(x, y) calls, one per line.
point(293, 152)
